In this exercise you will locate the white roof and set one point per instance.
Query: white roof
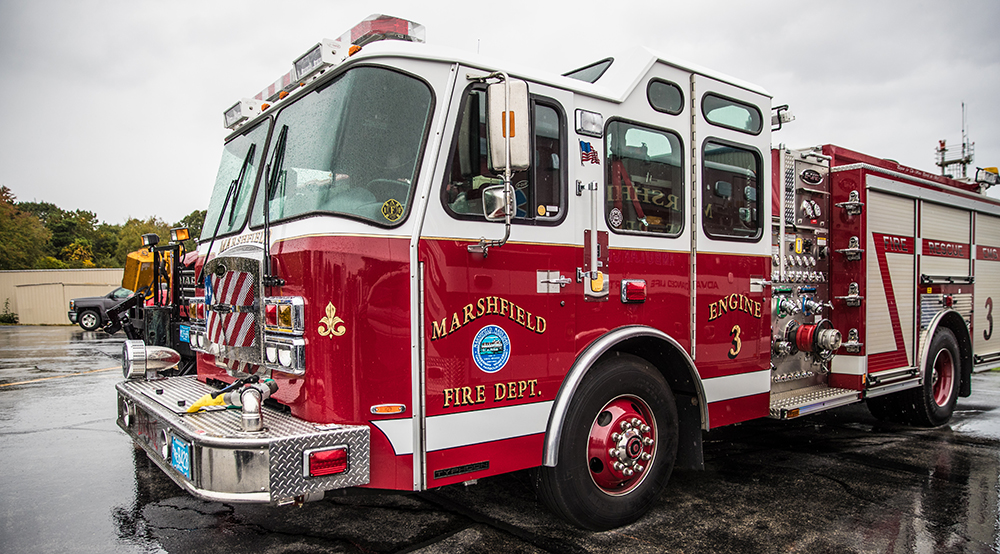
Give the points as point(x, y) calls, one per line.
point(617, 83)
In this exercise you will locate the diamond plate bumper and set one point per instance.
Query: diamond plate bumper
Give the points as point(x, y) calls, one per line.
point(225, 463)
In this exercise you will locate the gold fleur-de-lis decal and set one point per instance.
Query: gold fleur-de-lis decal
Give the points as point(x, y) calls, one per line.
point(331, 322)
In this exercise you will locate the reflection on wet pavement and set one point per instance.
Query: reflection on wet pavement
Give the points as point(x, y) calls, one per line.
point(839, 481)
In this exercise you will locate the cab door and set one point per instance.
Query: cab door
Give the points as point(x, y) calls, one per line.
point(497, 333)
point(732, 309)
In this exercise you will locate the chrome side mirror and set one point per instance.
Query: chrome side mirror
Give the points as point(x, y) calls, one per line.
point(498, 203)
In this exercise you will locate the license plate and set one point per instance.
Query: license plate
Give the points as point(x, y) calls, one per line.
point(180, 456)
point(185, 333)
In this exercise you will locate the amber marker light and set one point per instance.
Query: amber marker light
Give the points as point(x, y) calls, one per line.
point(388, 409)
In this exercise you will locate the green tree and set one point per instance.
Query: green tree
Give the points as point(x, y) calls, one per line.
point(22, 235)
point(105, 243)
point(78, 254)
point(129, 236)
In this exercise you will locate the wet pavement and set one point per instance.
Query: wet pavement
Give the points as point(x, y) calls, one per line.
point(839, 481)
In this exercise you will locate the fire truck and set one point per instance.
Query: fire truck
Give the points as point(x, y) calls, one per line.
point(420, 268)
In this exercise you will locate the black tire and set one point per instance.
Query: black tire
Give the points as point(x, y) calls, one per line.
point(586, 487)
point(90, 320)
point(932, 403)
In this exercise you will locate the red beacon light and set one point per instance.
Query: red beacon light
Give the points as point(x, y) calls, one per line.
point(384, 27)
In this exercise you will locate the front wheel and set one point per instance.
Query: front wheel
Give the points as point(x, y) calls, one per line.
point(618, 447)
point(89, 320)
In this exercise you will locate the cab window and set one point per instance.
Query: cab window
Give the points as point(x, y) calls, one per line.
point(731, 193)
point(732, 114)
point(644, 185)
point(538, 191)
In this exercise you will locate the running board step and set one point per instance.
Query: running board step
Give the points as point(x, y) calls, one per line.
point(792, 404)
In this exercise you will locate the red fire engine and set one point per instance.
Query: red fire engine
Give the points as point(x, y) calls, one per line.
point(421, 269)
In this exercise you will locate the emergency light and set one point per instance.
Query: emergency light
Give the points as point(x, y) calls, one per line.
point(328, 53)
point(178, 234)
point(321, 56)
point(383, 27)
point(243, 110)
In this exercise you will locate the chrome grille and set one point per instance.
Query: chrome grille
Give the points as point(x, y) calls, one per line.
point(233, 308)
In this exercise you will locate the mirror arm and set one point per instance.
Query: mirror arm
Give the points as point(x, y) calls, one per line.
point(508, 192)
point(484, 245)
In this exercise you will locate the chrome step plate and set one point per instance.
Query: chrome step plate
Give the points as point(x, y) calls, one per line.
point(795, 403)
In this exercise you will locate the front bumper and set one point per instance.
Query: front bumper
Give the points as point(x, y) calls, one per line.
point(72, 316)
point(210, 456)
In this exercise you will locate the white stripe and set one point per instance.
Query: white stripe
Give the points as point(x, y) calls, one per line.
point(736, 386)
point(399, 432)
point(465, 428)
point(468, 428)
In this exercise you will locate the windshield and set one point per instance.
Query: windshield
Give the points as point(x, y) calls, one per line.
point(350, 147)
point(235, 180)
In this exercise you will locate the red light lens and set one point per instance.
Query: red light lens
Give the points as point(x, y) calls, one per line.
point(328, 462)
point(271, 315)
point(635, 291)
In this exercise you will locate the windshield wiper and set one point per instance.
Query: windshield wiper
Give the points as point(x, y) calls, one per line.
point(270, 280)
point(236, 185)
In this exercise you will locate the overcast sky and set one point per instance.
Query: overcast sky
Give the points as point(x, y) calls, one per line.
point(116, 106)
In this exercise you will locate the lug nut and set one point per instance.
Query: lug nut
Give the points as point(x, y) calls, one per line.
point(646, 456)
point(628, 472)
point(647, 441)
point(615, 437)
point(639, 468)
point(645, 428)
point(626, 426)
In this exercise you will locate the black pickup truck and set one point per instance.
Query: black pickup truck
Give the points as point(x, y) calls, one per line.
point(91, 312)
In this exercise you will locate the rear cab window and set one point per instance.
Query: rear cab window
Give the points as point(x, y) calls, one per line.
point(644, 184)
point(731, 191)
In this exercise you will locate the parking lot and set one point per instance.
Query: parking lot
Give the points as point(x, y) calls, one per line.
point(836, 482)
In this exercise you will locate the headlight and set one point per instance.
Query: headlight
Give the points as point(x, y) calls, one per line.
point(72, 304)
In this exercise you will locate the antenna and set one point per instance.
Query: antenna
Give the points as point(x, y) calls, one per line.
point(955, 164)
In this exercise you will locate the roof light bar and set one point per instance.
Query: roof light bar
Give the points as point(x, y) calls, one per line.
point(327, 53)
point(285, 83)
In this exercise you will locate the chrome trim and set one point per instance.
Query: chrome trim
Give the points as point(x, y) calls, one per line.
point(893, 387)
point(590, 355)
point(226, 463)
point(425, 183)
point(927, 335)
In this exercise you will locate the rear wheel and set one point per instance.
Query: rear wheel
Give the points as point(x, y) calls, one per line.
point(89, 320)
point(932, 403)
point(618, 447)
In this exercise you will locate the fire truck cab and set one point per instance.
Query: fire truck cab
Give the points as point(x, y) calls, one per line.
point(420, 268)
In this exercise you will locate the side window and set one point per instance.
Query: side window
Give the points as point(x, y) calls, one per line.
point(731, 193)
point(644, 185)
point(732, 114)
point(537, 191)
point(664, 96)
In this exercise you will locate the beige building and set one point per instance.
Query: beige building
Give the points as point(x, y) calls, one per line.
point(41, 296)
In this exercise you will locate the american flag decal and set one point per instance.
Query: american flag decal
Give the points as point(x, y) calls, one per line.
point(588, 154)
point(237, 325)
